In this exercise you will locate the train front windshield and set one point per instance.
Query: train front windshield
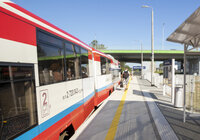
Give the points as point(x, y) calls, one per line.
point(17, 100)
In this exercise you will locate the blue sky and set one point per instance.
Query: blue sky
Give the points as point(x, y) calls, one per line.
point(116, 23)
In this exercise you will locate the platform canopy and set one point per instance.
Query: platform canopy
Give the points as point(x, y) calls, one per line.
point(188, 32)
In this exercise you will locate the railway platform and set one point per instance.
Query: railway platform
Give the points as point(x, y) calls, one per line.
point(136, 114)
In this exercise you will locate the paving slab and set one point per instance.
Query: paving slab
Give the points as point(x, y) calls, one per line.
point(135, 121)
point(97, 126)
point(190, 130)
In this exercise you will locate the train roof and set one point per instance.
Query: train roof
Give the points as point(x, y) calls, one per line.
point(6, 1)
point(36, 21)
point(101, 53)
point(22, 14)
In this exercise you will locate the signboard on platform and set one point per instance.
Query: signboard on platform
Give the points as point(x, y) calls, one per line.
point(167, 62)
point(138, 67)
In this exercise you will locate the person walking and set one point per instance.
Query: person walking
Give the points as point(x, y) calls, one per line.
point(126, 77)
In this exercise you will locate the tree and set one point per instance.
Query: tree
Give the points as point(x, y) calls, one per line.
point(124, 66)
point(101, 47)
point(96, 45)
point(160, 65)
point(129, 69)
point(93, 44)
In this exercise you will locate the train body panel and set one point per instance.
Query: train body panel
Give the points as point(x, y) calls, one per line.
point(45, 99)
point(55, 98)
point(17, 52)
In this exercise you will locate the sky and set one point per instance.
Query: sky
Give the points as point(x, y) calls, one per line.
point(118, 24)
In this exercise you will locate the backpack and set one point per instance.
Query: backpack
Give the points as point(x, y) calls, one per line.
point(126, 74)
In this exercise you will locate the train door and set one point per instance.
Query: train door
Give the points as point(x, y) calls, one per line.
point(87, 80)
point(18, 111)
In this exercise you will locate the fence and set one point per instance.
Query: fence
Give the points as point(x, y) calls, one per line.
point(158, 79)
point(193, 93)
point(192, 88)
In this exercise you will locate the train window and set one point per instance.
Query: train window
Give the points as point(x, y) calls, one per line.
point(77, 62)
point(55, 65)
point(49, 39)
point(70, 61)
point(77, 50)
point(22, 72)
point(108, 66)
point(17, 102)
point(4, 73)
point(103, 65)
point(50, 63)
point(84, 63)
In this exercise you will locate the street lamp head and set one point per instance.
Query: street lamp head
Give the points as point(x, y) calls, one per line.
point(145, 6)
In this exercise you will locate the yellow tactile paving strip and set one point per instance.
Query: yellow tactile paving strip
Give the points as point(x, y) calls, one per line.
point(113, 127)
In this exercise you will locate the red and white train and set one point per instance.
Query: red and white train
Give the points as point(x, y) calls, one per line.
point(50, 81)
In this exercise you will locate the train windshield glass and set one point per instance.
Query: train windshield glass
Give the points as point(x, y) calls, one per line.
point(17, 100)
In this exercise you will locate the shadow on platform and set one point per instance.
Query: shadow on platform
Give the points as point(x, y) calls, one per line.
point(134, 121)
point(188, 130)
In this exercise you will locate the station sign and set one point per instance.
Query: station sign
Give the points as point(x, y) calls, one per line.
point(167, 62)
point(138, 67)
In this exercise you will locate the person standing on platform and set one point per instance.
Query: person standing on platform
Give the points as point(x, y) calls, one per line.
point(126, 74)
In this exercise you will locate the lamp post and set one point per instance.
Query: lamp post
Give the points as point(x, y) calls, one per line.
point(152, 44)
point(163, 34)
point(141, 62)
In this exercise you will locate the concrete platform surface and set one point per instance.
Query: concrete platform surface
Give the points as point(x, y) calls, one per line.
point(190, 130)
point(130, 114)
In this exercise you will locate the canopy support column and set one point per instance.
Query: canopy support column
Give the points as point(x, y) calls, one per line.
point(184, 83)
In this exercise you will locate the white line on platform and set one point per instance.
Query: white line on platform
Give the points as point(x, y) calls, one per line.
point(164, 129)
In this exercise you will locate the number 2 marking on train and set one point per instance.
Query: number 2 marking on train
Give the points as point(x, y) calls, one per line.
point(44, 98)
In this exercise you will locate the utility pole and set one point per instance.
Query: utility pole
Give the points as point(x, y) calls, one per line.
point(163, 34)
point(152, 45)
